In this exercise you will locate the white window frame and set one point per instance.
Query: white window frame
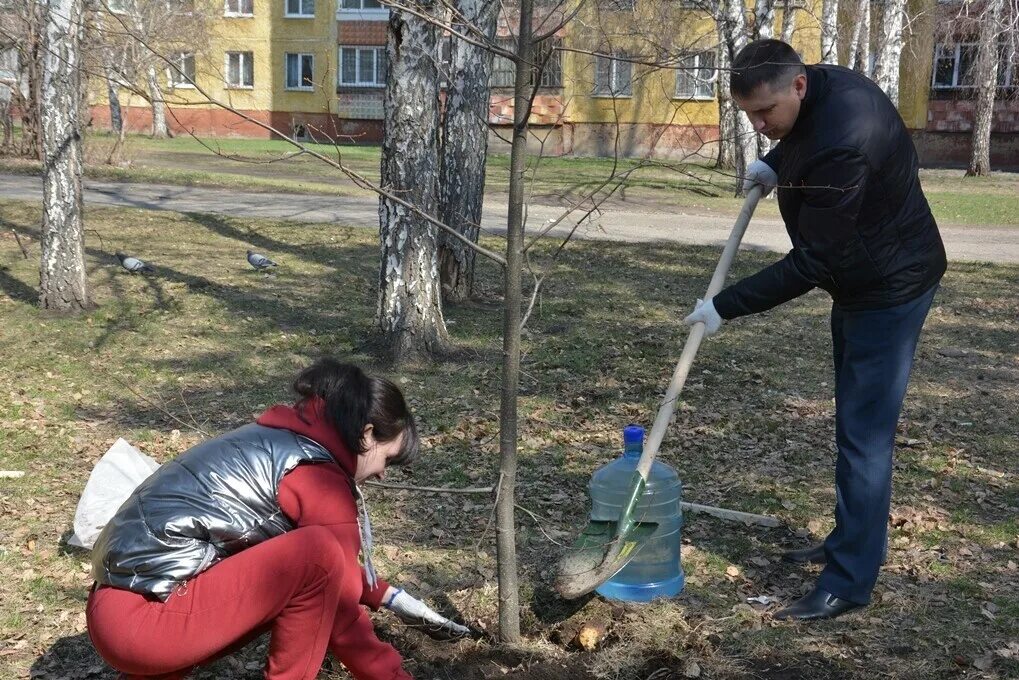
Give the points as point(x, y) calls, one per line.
point(358, 49)
point(240, 69)
point(172, 74)
point(227, 12)
point(301, 14)
point(360, 13)
point(300, 60)
point(615, 92)
point(956, 56)
point(696, 69)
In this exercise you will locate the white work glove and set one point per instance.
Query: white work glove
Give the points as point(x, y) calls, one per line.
point(704, 312)
point(416, 613)
point(761, 173)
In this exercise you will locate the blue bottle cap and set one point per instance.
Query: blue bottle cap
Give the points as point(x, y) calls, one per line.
point(633, 434)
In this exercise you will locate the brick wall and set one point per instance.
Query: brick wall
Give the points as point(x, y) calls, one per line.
point(956, 115)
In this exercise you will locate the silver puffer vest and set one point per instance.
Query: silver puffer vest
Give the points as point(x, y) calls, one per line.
point(212, 501)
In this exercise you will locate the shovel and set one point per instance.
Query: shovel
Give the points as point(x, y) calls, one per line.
point(605, 547)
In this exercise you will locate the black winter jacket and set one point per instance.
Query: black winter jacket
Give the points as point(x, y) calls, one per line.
point(851, 200)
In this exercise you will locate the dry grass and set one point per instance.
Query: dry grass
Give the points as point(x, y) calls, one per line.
point(209, 337)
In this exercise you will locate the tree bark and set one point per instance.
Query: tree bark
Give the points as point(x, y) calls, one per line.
point(734, 32)
point(506, 546)
point(987, 86)
point(886, 70)
point(859, 44)
point(31, 110)
point(464, 149)
point(788, 21)
point(159, 128)
point(116, 117)
point(726, 159)
point(63, 283)
point(829, 32)
point(409, 315)
point(764, 19)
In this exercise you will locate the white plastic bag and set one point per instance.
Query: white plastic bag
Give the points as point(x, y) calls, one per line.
point(113, 480)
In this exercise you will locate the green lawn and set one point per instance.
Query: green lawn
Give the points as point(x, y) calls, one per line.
point(254, 165)
point(206, 343)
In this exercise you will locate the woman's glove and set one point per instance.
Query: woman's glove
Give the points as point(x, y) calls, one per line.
point(416, 613)
point(705, 313)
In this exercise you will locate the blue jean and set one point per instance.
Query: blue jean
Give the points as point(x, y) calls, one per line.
point(873, 352)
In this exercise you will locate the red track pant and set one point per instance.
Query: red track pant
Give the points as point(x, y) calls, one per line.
point(298, 586)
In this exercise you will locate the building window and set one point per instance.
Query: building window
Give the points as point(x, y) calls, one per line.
point(300, 8)
point(239, 8)
point(240, 71)
point(953, 66)
point(362, 66)
point(360, 4)
point(546, 52)
point(613, 77)
point(181, 72)
point(300, 71)
point(695, 77)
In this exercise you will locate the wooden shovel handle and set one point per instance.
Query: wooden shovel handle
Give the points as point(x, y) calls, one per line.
point(693, 340)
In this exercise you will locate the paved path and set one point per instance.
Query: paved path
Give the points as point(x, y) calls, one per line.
point(992, 244)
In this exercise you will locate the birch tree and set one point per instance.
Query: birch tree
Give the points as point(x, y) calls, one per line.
point(829, 31)
point(986, 82)
point(22, 28)
point(859, 43)
point(764, 19)
point(889, 49)
point(409, 316)
point(465, 144)
point(733, 33)
point(788, 20)
point(63, 283)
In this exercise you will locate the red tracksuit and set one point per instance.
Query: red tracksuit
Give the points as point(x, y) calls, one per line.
point(305, 586)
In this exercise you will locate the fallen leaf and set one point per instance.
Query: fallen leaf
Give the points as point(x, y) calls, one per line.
point(732, 570)
point(984, 662)
point(691, 669)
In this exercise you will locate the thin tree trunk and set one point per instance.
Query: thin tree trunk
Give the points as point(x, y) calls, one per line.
point(116, 117)
point(159, 128)
point(987, 85)
point(31, 109)
point(829, 32)
point(506, 534)
point(726, 109)
point(764, 19)
point(735, 37)
point(464, 149)
point(788, 21)
point(63, 283)
point(409, 316)
point(886, 70)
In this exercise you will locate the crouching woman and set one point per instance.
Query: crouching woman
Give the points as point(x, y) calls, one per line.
point(257, 530)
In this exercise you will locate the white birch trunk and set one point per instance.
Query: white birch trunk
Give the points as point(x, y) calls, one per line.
point(465, 148)
point(829, 32)
point(788, 21)
point(726, 159)
point(63, 283)
point(159, 128)
point(889, 49)
point(734, 30)
point(113, 95)
point(764, 19)
point(409, 315)
point(987, 86)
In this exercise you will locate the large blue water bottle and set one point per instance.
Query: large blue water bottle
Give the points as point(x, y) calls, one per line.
point(656, 570)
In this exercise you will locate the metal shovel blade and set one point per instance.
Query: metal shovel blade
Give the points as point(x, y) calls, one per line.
point(598, 554)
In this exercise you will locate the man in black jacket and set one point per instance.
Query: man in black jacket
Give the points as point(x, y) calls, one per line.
point(861, 229)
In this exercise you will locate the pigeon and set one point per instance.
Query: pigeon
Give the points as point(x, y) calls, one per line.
point(259, 262)
point(134, 265)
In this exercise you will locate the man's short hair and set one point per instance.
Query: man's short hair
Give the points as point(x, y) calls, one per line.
point(764, 62)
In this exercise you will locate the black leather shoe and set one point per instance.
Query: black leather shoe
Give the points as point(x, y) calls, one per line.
point(817, 604)
point(810, 555)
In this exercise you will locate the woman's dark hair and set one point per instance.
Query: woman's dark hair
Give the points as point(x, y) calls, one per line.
point(353, 399)
point(764, 62)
